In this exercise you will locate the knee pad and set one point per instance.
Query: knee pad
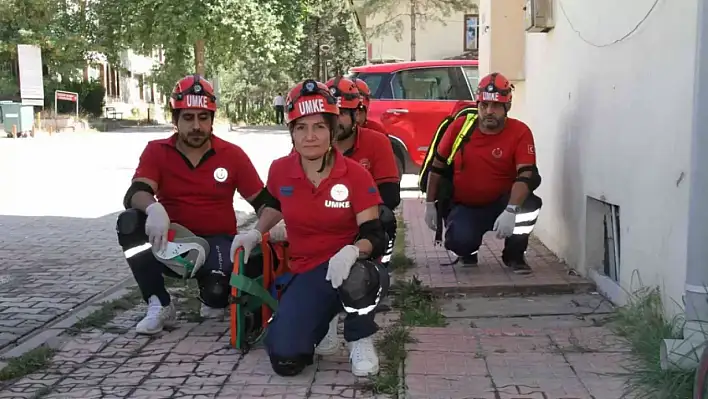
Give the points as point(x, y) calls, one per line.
point(214, 289)
point(367, 284)
point(130, 228)
point(290, 366)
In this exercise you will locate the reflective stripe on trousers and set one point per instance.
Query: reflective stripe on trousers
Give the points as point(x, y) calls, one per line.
point(130, 252)
point(388, 253)
point(525, 222)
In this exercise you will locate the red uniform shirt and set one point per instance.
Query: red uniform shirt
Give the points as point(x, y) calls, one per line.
point(373, 150)
point(320, 220)
point(485, 166)
point(375, 125)
point(200, 198)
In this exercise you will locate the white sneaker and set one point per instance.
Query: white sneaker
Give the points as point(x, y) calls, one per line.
point(211, 313)
point(330, 343)
point(363, 357)
point(157, 317)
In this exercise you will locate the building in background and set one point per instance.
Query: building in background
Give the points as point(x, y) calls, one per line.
point(440, 37)
point(613, 131)
point(128, 91)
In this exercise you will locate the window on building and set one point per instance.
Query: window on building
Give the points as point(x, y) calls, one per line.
point(471, 32)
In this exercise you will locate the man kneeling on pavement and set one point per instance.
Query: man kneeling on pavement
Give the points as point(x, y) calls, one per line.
point(190, 179)
point(493, 179)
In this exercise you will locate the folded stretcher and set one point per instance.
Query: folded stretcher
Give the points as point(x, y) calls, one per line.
point(255, 290)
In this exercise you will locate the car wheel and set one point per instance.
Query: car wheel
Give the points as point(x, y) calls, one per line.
point(700, 386)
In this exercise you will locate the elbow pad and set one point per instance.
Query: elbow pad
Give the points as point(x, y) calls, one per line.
point(373, 231)
point(532, 182)
point(134, 188)
point(265, 199)
point(390, 194)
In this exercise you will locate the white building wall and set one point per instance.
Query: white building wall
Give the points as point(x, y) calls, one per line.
point(613, 121)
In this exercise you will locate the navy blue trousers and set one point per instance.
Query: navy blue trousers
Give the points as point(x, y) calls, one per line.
point(307, 306)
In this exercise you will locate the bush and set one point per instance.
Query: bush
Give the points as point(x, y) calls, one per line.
point(91, 97)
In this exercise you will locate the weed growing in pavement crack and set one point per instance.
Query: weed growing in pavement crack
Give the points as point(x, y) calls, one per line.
point(643, 325)
point(107, 312)
point(400, 262)
point(418, 308)
point(28, 363)
point(185, 293)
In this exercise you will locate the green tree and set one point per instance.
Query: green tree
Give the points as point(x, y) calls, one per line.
point(418, 12)
point(59, 28)
point(199, 36)
point(331, 26)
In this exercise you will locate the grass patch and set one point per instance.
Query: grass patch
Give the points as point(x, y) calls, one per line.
point(400, 262)
point(643, 324)
point(107, 312)
point(418, 306)
point(32, 361)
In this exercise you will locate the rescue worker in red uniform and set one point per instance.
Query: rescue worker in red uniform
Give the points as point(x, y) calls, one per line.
point(330, 205)
point(373, 150)
point(362, 115)
point(188, 178)
point(494, 177)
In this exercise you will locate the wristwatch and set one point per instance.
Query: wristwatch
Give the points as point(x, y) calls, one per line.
point(512, 209)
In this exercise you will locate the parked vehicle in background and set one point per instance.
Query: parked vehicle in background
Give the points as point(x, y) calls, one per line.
point(412, 98)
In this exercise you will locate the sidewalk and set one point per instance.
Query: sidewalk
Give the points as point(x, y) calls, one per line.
point(490, 277)
point(194, 360)
point(539, 347)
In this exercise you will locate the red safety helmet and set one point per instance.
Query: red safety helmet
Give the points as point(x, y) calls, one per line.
point(495, 88)
point(364, 91)
point(309, 97)
point(345, 91)
point(195, 92)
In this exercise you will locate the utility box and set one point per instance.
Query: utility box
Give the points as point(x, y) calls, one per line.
point(539, 15)
point(18, 115)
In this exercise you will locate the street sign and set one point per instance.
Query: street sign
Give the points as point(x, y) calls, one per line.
point(31, 80)
point(67, 96)
point(61, 95)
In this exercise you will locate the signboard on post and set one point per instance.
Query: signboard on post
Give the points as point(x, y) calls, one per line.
point(61, 95)
point(31, 79)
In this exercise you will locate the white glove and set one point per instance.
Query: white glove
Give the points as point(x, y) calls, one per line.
point(431, 215)
point(247, 241)
point(157, 225)
point(504, 225)
point(340, 265)
point(278, 233)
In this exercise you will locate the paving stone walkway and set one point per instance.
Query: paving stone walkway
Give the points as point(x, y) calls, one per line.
point(194, 360)
point(490, 277)
point(561, 356)
point(519, 355)
point(515, 363)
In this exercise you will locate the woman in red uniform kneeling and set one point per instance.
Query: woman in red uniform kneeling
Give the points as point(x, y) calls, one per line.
point(330, 205)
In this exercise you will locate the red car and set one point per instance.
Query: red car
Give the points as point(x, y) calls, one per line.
point(412, 98)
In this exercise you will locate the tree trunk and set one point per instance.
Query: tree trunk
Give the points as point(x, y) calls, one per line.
point(318, 56)
point(414, 12)
point(199, 62)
